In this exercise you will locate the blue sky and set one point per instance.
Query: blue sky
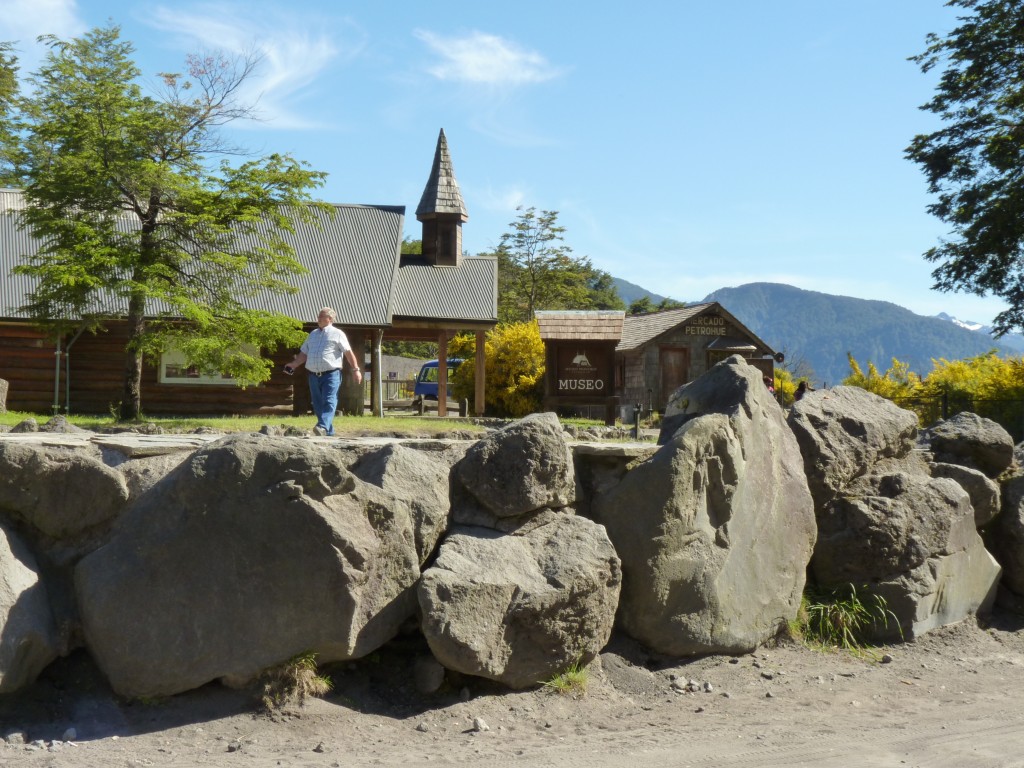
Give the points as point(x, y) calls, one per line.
point(687, 146)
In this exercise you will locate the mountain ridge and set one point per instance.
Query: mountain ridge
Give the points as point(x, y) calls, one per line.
point(819, 329)
point(630, 292)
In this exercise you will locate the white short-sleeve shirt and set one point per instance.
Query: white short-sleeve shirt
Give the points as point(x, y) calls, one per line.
point(325, 349)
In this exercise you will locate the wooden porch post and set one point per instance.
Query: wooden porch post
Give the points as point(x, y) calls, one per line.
point(481, 368)
point(376, 385)
point(442, 374)
point(350, 395)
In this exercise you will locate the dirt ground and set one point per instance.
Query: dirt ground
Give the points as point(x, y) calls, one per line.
point(952, 698)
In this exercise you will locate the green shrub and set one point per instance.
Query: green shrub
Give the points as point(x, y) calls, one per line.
point(572, 681)
point(294, 680)
point(841, 618)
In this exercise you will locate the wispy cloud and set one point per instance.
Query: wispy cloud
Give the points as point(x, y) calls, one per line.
point(22, 21)
point(502, 200)
point(491, 74)
point(295, 50)
point(483, 59)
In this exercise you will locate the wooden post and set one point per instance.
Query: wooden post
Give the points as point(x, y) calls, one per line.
point(350, 396)
point(481, 368)
point(442, 374)
point(302, 402)
point(376, 384)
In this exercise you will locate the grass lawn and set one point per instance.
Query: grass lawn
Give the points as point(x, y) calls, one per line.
point(343, 425)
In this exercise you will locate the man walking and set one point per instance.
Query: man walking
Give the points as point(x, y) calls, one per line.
point(323, 353)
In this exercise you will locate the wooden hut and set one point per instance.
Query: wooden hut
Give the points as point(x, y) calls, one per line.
point(579, 356)
point(661, 351)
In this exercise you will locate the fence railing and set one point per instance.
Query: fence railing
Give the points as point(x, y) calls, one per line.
point(392, 389)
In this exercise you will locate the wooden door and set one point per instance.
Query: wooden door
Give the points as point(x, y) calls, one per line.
point(674, 363)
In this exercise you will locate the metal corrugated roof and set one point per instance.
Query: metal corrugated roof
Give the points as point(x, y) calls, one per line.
point(351, 256)
point(13, 288)
point(468, 291)
point(584, 325)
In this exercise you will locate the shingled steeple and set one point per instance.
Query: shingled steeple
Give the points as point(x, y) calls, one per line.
point(442, 211)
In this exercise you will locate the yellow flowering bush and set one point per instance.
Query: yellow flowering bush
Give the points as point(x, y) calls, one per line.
point(989, 385)
point(898, 382)
point(513, 365)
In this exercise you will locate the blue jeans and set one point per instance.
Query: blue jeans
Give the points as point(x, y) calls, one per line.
point(323, 390)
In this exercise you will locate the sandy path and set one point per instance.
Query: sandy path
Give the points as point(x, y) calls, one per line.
point(953, 698)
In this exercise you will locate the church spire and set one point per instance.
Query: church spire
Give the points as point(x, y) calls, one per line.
point(442, 210)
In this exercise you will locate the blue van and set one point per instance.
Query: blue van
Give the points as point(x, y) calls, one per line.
point(426, 381)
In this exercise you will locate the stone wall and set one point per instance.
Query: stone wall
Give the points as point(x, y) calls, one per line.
point(181, 560)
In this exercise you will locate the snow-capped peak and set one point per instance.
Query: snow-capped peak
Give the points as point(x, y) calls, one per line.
point(970, 325)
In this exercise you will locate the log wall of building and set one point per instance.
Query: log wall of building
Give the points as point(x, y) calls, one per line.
point(97, 362)
point(26, 363)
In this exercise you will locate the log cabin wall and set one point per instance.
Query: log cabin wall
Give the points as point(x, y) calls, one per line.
point(97, 382)
point(26, 363)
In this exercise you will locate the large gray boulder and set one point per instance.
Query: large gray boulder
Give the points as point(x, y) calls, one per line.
point(62, 493)
point(843, 432)
point(59, 425)
point(419, 478)
point(28, 634)
point(911, 539)
point(885, 525)
point(715, 530)
point(520, 607)
point(973, 441)
point(522, 468)
point(1005, 538)
point(4, 388)
point(143, 473)
point(254, 550)
point(984, 492)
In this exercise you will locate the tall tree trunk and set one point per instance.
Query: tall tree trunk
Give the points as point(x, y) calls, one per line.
point(131, 397)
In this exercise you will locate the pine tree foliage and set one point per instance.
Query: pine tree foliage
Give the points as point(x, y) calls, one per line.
point(8, 109)
point(974, 163)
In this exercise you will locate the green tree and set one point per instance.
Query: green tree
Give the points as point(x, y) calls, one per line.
point(536, 270)
point(645, 305)
point(602, 293)
point(8, 98)
point(418, 350)
point(137, 217)
point(974, 164)
point(642, 306)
